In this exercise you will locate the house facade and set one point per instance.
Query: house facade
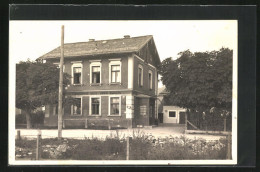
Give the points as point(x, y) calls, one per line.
point(114, 83)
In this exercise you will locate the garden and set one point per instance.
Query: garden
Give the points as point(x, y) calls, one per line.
point(141, 147)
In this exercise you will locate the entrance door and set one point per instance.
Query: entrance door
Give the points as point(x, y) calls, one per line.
point(182, 117)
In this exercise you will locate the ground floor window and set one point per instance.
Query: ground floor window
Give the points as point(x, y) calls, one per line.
point(76, 107)
point(172, 114)
point(95, 106)
point(114, 106)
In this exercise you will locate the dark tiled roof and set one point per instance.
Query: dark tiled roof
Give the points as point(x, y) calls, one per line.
point(123, 45)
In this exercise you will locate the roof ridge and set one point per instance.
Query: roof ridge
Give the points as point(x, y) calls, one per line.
point(108, 39)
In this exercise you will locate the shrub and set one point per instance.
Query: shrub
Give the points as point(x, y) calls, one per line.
point(20, 119)
point(37, 117)
point(141, 148)
point(95, 149)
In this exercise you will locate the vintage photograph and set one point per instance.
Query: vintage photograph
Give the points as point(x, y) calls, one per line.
point(117, 92)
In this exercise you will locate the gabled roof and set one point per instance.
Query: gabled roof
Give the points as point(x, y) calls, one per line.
point(123, 45)
point(163, 91)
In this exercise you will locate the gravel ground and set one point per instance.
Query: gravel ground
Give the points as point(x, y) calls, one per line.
point(157, 132)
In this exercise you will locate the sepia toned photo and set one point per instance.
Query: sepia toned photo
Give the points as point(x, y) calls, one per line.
point(123, 92)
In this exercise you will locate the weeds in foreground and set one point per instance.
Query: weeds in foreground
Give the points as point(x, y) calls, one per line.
point(142, 147)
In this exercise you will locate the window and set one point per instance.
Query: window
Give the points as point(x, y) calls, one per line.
point(150, 79)
point(172, 114)
point(115, 106)
point(115, 73)
point(95, 106)
point(76, 72)
point(76, 107)
point(140, 75)
point(95, 74)
point(77, 75)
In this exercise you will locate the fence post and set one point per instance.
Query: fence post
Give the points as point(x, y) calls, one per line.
point(186, 122)
point(109, 126)
point(128, 140)
point(225, 124)
point(229, 145)
point(86, 123)
point(38, 145)
point(18, 135)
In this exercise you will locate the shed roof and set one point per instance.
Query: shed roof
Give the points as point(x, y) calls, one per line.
point(122, 45)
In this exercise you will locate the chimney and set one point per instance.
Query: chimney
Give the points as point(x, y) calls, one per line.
point(91, 40)
point(126, 36)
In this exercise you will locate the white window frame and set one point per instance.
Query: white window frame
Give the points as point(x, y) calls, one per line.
point(71, 107)
point(142, 76)
point(150, 82)
point(95, 63)
point(109, 105)
point(90, 105)
point(72, 72)
point(111, 63)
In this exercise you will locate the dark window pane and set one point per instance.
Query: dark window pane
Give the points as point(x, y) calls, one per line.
point(95, 106)
point(140, 70)
point(114, 106)
point(77, 75)
point(172, 114)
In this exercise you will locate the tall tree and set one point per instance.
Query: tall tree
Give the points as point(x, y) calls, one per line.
point(200, 81)
point(37, 85)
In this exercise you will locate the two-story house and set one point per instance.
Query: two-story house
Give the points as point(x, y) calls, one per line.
point(114, 82)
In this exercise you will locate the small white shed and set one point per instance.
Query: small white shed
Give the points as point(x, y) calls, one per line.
point(173, 114)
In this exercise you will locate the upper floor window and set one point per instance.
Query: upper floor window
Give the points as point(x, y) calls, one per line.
point(150, 79)
point(95, 72)
point(140, 75)
point(115, 71)
point(76, 73)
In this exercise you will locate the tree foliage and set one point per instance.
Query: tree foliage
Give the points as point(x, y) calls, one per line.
point(200, 81)
point(37, 85)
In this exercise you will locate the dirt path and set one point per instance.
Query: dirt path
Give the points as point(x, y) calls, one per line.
point(157, 132)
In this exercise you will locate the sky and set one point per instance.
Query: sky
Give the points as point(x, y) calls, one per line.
point(32, 39)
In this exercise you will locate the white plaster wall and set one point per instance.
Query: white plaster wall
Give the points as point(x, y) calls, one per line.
point(167, 119)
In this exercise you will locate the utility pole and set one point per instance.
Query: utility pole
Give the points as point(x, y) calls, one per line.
point(61, 84)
